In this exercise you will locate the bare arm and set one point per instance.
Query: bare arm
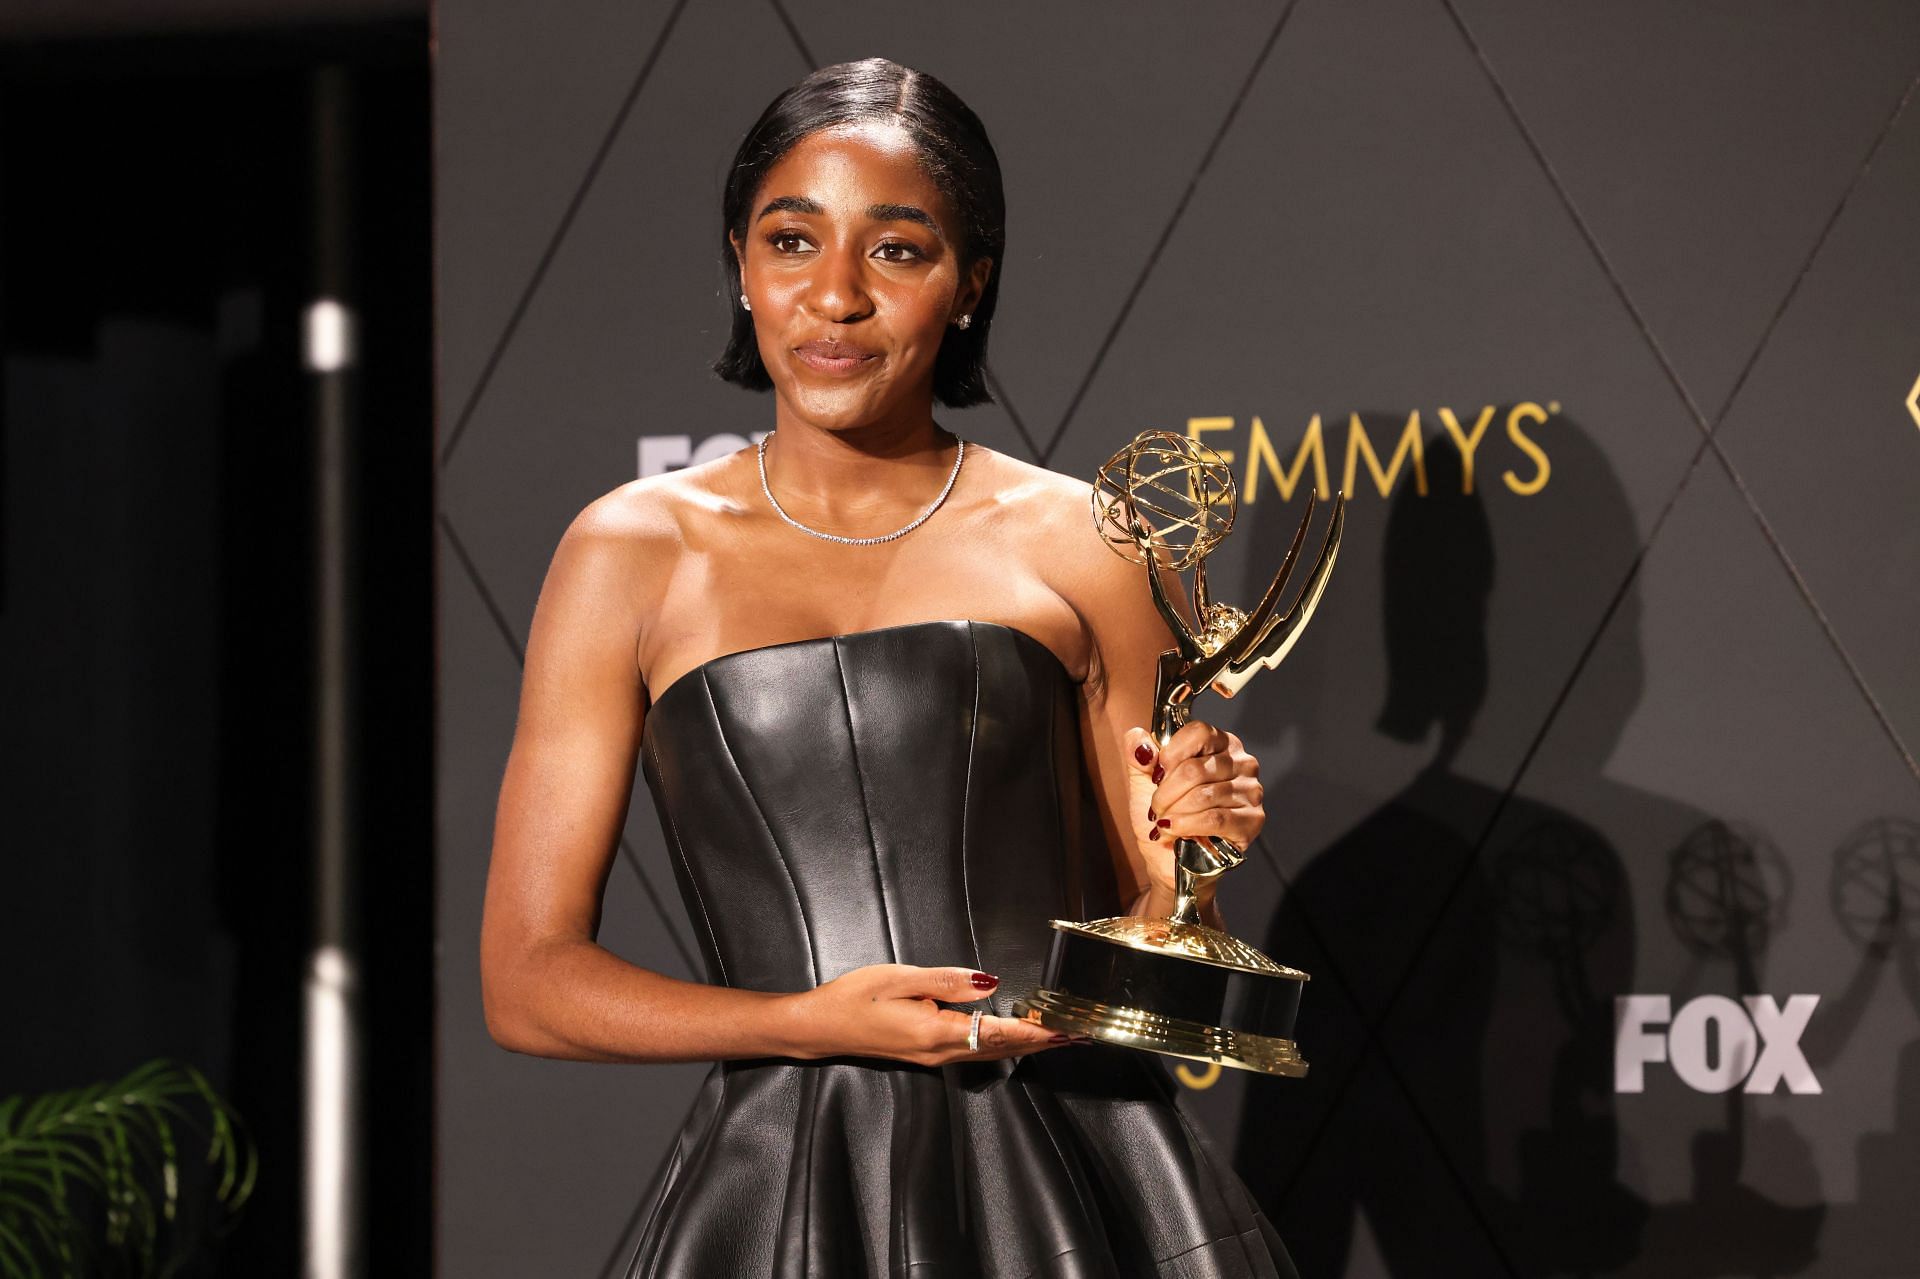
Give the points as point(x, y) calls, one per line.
point(548, 987)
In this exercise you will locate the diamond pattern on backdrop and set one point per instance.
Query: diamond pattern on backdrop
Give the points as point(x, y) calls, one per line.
point(1697, 122)
point(536, 110)
point(1823, 446)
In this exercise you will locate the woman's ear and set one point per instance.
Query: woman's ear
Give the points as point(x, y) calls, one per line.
point(739, 257)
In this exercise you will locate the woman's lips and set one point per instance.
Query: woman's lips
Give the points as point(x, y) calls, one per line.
point(828, 357)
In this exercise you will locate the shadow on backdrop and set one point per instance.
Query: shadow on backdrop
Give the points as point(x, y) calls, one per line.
point(1874, 885)
point(1875, 893)
point(1466, 945)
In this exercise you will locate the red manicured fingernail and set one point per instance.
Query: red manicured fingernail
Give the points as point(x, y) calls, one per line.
point(1166, 821)
point(1158, 772)
point(985, 981)
point(1149, 812)
point(1154, 833)
point(1143, 753)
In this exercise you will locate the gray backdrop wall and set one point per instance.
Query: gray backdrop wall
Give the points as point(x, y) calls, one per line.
point(1593, 786)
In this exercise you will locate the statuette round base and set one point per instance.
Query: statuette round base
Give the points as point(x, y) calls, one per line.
point(1168, 1036)
point(1177, 989)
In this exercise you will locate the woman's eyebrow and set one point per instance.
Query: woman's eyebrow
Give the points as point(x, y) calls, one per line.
point(903, 213)
point(877, 212)
point(790, 204)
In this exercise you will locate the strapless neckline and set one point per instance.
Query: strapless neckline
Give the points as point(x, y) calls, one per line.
point(687, 676)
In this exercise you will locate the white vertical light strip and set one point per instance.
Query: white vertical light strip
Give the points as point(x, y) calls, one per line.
point(334, 1102)
point(335, 1241)
point(332, 991)
point(332, 1185)
point(329, 337)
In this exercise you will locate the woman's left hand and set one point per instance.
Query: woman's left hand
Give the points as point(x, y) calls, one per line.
point(1203, 782)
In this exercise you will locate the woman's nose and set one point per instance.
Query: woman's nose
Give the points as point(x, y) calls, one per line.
point(837, 291)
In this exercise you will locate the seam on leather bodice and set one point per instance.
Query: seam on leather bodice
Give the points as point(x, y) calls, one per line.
point(773, 840)
point(966, 798)
point(866, 810)
point(680, 851)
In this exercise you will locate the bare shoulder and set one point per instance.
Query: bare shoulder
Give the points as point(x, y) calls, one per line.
point(634, 535)
point(1056, 510)
point(1032, 497)
point(639, 515)
point(1047, 517)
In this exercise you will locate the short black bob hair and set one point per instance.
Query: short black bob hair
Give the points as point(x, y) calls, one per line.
point(958, 157)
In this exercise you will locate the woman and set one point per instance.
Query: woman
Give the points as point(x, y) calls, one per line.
point(887, 689)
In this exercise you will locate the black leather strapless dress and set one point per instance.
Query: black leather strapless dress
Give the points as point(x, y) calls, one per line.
point(916, 795)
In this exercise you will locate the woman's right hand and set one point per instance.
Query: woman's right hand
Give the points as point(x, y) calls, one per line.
point(888, 1010)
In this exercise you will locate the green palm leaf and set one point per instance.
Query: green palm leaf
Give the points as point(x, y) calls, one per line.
point(88, 1174)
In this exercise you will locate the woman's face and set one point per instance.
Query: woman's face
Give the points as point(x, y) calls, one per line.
point(852, 263)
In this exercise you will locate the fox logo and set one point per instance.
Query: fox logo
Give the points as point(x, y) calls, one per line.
point(1713, 1042)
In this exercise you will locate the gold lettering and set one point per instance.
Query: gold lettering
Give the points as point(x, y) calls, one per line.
point(1410, 444)
point(1532, 412)
point(1260, 451)
point(1196, 425)
point(1466, 443)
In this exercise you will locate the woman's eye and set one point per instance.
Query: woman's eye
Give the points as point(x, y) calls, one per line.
point(780, 240)
point(907, 252)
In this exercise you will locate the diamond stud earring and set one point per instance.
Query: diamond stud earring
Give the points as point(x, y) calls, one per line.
point(744, 304)
point(963, 322)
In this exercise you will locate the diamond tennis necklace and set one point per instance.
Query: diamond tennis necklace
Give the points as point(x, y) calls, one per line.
point(959, 454)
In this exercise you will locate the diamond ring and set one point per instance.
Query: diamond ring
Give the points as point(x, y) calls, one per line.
point(973, 1032)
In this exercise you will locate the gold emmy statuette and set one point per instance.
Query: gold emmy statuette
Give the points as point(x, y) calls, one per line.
point(1173, 985)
